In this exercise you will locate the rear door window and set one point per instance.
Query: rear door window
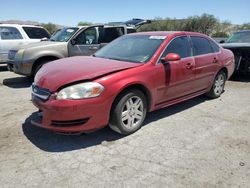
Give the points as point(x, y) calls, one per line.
point(10, 33)
point(201, 45)
point(110, 33)
point(36, 32)
point(215, 46)
point(179, 45)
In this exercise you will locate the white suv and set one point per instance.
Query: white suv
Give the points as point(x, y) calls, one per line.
point(14, 34)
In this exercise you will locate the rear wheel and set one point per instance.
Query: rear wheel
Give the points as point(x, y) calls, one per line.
point(128, 112)
point(218, 85)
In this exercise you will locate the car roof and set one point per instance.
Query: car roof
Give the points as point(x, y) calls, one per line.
point(166, 33)
point(96, 25)
point(19, 25)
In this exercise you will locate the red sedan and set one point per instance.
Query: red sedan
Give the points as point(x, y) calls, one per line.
point(129, 77)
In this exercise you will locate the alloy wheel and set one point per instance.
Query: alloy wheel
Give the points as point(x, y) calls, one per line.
point(132, 112)
point(219, 84)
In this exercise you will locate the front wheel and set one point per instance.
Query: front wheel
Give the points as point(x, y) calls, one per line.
point(129, 112)
point(38, 66)
point(218, 85)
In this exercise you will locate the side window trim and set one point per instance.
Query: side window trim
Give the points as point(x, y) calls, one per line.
point(212, 51)
point(191, 45)
point(183, 35)
point(19, 32)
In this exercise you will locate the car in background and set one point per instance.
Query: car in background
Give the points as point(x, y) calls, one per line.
point(239, 43)
point(133, 75)
point(69, 41)
point(17, 35)
point(219, 39)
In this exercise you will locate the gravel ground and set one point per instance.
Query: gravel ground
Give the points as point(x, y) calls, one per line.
point(198, 143)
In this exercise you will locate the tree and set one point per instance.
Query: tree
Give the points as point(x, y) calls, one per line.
point(220, 35)
point(245, 26)
point(205, 23)
point(50, 27)
point(84, 23)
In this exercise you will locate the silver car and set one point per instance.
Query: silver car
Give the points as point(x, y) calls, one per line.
point(69, 41)
point(15, 34)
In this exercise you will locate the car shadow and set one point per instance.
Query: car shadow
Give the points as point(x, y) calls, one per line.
point(18, 82)
point(240, 77)
point(53, 142)
point(171, 110)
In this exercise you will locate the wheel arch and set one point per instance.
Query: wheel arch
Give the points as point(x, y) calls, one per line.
point(43, 58)
point(224, 69)
point(135, 86)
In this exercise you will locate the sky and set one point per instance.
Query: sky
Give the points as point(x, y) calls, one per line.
point(69, 13)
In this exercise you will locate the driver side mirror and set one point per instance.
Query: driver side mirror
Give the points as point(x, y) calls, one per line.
point(73, 41)
point(222, 41)
point(170, 57)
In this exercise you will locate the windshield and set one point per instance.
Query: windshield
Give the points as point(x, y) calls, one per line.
point(240, 37)
point(64, 34)
point(132, 48)
point(36, 32)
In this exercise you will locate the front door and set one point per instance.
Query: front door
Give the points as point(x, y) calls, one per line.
point(85, 43)
point(178, 75)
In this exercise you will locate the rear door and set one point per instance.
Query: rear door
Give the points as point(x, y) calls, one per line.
point(206, 61)
point(179, 75)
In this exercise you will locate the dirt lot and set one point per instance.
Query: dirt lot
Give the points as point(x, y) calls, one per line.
point(198, 143)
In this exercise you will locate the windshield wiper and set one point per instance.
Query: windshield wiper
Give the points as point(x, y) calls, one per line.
point(117, 59)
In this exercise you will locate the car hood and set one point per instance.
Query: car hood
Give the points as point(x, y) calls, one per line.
point(73, 69)
point(37, 45)
point(235, 45)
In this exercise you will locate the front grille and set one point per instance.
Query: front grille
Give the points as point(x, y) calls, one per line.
point(69, 122)
point(12, 54)
point(40, 93)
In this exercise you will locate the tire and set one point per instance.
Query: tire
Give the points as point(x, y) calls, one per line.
point(38, 66)
point(218, 86)
point(132, 105)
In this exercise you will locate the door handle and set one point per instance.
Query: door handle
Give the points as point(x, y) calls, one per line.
point(93, 48)
point(189, 66)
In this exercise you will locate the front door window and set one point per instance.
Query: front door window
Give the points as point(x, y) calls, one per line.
point(88, 36)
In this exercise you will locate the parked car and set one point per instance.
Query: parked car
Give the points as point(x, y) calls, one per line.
point(133, 75)
point(239, 43)
point(69, 41)
point(17, 35)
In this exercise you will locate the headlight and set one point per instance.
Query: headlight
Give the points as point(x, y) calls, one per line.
point(80, 91)
point(19, 55)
